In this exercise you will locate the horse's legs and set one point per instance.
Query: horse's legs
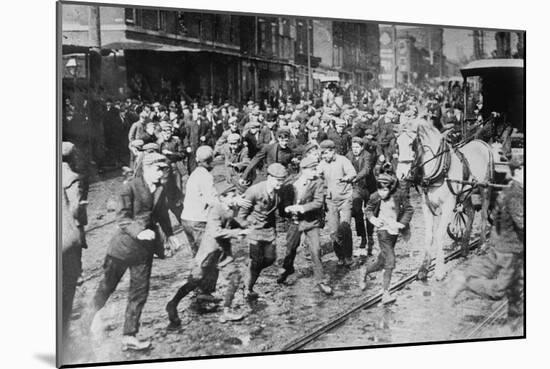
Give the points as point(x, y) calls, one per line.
point(470, 214)
point(440, 230)
point(428, 223)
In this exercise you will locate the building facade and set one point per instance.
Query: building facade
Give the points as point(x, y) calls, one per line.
point(156, 53)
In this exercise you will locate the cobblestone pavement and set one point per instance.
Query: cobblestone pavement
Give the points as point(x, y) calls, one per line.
point(422, 312)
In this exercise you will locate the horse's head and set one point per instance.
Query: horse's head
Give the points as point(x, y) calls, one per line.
point(408, 152)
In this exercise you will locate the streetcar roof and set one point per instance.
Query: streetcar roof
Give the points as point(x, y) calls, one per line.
point(478, 67)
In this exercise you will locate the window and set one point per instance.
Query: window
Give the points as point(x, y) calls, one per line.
point(138, 18)
point(129, 15)
point(161, 20)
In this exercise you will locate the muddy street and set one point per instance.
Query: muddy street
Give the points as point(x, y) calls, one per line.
point(421, 313)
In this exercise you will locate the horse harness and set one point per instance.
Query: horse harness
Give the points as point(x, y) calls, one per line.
point(442, 164)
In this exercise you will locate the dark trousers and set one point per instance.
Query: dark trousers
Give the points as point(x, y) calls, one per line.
point(496, 275)
point(262, 255)
point(293, 241)
point(204, 277)
point(70, 272)
point(140, 274)
point(386, 257)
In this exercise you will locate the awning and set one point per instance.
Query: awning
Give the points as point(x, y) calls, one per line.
point(141, 45)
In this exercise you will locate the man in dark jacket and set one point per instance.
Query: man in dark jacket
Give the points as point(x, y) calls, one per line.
point(362, 162)
point(73, 237)
point(499, 272)
point(307, 207)
point(197, 133)
point(143, 209)
point(278, 152)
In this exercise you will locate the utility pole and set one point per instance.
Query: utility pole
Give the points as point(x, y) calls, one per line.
point(309, 81)
point(395, 67)
point(95, 129)
point(256, 51)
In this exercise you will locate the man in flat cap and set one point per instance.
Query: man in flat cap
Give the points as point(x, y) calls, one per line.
point(172, 147)
point(339, 174)
point(257, 213)
point(74, 219)
point(307, 208)
point(221, 227)
point(251, 137)
point(233, 128)
point(362, 161)
point(340, 137)
point(278, 152)
point(236, 159)
point(200, 194)
point(142, 211)
point(499, 272)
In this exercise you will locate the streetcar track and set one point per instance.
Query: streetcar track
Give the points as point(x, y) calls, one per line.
point(369, 302)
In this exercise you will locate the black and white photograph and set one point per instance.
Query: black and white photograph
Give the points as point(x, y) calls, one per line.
point(236, 184)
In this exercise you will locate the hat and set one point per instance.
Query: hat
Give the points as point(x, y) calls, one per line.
point(356, 139)
point(250, 102)
point(386, 180)
point(224, 187)
point(283, 132)
point(204, 153)
point(67, 148)
point(310, 147)
point(255, 125)
point(165, 125)
point(327, 144)
point(154, 158)
point(151, 146)
point(277, 170)
point(234, 138)
point(339, 122)
point(308, 162)
point(369, 132)
point(232, 120)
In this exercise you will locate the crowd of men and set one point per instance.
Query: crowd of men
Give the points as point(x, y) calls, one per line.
point(312, 164)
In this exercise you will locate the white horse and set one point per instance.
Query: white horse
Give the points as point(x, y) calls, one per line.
point(435, 168)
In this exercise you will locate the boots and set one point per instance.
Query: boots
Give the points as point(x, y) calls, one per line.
point(172, 311)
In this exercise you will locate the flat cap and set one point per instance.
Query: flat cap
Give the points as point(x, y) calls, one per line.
point(155, 159)
point(277, 170)
point(204, 153)
point(151, 146)
point(311, 146)
point(327, 144)
point(255, 125)
point(339, 121)
point(357, 139)
point(165, 125)
point(232, 120)
point(308, 162)
point(283, 132)
point(234, 138)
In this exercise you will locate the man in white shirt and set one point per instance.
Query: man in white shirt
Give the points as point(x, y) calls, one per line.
point(200, 193)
